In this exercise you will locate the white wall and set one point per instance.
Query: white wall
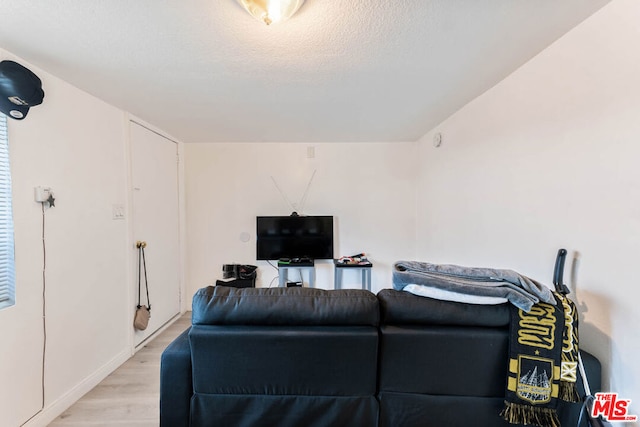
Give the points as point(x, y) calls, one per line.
point(368, 188)
point(544, 160)
point(75, 144)
point(547, 159)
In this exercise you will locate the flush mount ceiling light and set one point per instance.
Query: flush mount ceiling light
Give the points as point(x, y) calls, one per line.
point(271, 11)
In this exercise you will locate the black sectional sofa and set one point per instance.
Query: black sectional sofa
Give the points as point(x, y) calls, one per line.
point(301, 357)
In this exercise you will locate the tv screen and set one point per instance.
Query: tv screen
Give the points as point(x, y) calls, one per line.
point(294, 237)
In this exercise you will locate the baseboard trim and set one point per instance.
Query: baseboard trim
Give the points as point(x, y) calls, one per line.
point(64, 402)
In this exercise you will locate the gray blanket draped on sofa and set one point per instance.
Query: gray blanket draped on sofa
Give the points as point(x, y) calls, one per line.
point(521, 291)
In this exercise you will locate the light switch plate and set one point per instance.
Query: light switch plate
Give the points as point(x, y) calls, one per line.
point(118, 211)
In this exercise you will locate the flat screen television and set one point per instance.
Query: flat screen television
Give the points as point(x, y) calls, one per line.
point(291, 237)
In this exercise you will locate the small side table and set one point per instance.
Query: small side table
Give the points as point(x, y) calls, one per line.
point(365, 270)
point(283, 273)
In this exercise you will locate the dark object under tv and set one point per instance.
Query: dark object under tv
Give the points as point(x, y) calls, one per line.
point(237, 283)
point(293, 237)
point(238, 275)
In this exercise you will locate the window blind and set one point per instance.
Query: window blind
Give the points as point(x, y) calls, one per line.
point(7, 267)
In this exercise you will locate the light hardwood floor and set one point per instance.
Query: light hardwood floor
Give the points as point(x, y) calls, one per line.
point(130, 395)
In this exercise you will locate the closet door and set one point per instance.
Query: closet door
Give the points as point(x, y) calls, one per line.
point(155, 217)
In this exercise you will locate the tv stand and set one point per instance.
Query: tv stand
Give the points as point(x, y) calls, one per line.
point(301, 264)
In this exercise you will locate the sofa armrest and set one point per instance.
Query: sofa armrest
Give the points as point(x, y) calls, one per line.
point(176, 383)
point(569, 413)
point(593, 370)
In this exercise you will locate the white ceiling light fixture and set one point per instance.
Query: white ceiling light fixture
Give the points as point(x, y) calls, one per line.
point(271, 11)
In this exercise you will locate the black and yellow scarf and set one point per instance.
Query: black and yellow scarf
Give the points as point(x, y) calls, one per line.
point(543, 362)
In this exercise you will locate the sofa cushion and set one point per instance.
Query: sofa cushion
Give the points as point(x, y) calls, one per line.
point(419, 410)
point(443, 360)
point(222, 305)
point(403, 308)
point(283, 411)
point(284, 360)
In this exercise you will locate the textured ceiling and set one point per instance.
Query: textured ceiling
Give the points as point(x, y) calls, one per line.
point(339, 70)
